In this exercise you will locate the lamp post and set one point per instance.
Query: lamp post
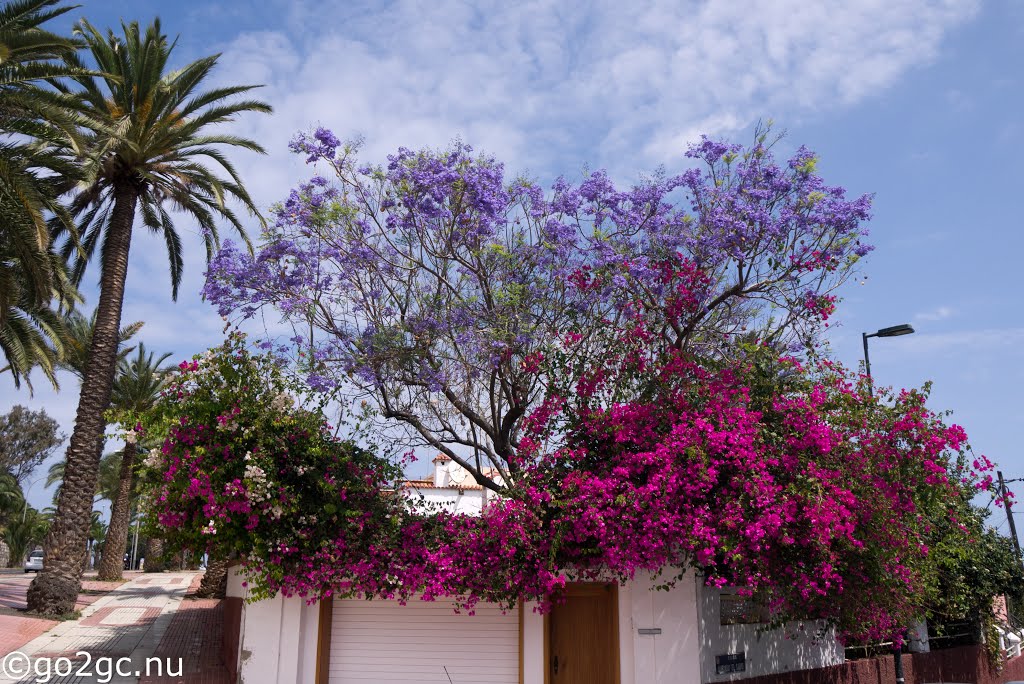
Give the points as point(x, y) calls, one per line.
point(24, 509)
point(891, 331)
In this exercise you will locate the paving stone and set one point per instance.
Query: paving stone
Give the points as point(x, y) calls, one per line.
point(132, 621)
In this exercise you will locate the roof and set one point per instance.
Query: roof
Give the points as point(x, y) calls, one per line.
point(429, 484)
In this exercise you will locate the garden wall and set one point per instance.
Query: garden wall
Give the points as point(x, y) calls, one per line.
point(813, 647)
point(962, 664)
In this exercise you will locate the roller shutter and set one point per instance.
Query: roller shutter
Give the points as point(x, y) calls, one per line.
point(382, 642)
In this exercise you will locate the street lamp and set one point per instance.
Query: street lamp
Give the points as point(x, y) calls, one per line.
point(891, 331)
point(24, 510)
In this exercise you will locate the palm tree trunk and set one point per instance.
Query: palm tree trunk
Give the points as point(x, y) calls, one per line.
point(155, 561)
point(215, 582)
point(56, 587)
point(112, 560)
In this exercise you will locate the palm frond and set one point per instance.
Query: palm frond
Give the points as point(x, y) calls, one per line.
point(151, 129)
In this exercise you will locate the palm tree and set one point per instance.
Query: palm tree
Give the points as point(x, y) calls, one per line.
point(31, 333)
point(145, 152)
point(23, 532)
point(137, 388)
point(12, 499)
point(31, 114)
point(106, 489)
point(78, 332)
point(106, 481)
point(37, 131)
point(97, 537)
point(155, 561)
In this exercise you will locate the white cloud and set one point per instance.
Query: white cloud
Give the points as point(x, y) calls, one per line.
point(1008, 341)
point(938, 314)
point(548, 87)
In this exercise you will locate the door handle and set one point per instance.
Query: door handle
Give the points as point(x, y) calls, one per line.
point(554, 664)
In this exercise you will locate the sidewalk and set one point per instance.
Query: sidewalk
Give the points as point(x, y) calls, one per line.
point(129, 622)
point(17, 629)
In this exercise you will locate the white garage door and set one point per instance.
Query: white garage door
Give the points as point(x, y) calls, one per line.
point(382, 642)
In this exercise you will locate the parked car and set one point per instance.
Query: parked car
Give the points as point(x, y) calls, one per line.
point(35, 561)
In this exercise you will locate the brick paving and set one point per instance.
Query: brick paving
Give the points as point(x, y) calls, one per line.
point(14, 587)
point(16, 631)
point(129, 622)
point(194, 640)
point(152, 619)
point(194, 586)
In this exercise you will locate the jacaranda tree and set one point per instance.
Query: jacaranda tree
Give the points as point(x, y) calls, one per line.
point(424, 291)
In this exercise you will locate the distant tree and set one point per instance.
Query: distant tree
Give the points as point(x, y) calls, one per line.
point(27, 438)
point(78, 338)
point(24, 532)
point(106, 483)
point(12, 499)
point(97, 540)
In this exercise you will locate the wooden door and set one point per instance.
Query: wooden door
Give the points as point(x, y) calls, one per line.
point(583, 642)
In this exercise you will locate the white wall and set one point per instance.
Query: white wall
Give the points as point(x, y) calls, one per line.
point(780, 650)
point(278, 638)
point(672, 656)
point(467, 502)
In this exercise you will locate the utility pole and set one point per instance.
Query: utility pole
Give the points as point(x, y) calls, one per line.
point(1009, 512)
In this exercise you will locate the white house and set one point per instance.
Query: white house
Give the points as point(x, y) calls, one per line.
point(449, 486)
point(604, 633)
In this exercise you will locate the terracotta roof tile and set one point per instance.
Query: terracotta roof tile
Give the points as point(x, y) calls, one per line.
point(429, 484)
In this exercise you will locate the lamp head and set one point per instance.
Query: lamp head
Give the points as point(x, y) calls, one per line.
point(895, 330)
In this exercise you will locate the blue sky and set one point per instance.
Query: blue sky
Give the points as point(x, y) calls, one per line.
point(918, 102)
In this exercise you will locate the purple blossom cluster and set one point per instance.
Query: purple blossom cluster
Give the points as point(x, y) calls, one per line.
point(422, 285)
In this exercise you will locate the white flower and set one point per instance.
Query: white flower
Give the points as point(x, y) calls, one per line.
point(131, 436)
point(282, 402)
point(153, 459)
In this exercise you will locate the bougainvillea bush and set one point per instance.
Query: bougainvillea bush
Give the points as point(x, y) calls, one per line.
point(243, 471)
point(796, 484)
